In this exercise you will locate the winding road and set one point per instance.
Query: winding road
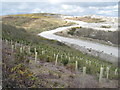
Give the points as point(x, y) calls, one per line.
point(87, 44)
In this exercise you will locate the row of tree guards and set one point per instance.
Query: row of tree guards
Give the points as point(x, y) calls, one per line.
point(56, 61)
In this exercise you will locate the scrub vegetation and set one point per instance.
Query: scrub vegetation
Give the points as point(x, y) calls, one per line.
point(88, 19)
point(54, 64)
point(107, 37)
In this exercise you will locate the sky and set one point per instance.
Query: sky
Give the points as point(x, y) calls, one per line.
point(69, 8)
point(60, 0)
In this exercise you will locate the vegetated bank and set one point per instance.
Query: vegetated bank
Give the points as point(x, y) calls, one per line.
point(104, 37)
point(17, 65)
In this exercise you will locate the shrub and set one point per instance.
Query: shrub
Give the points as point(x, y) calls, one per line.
point(65, 62)
point(103, 26)
point(71, 66)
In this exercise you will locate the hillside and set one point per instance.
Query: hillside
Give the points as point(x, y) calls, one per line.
point(101, 29)
point(90, 34)
point(30, 61)
point(35, 23)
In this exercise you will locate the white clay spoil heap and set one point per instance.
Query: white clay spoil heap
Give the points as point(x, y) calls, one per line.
point(111, 22)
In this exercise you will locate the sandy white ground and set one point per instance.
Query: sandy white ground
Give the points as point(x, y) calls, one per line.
point(110, 21)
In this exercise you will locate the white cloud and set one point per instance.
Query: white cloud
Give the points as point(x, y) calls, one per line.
point(104, 12)
point(95, 8)
point(111, 7)
point(37, 10)
point(115, 10)
point(72, 8)
point(23, 6)
point(62, 8)
point(55, 1)
point(107, 11)
point(107, 7)
point(65, 6)
point(78, 9)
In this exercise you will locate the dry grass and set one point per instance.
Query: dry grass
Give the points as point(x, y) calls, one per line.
point(87, 19)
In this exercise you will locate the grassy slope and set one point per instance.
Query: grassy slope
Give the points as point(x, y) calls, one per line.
point(35, 23)
point(21, 71)
point(22, 35)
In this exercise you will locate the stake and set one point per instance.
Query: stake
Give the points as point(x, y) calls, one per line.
point(35, 56)
point(54, 55)
point(116, 71)
point(84, 71)
point(69, 58)
point(101, 74)
point(12, 48)
point(15, 45)
point(86, 62)
point(61, 56)
point(34, 49)
point(107, 71)
point(11, 42)
point(42, 52)
point(90, 63)
point(76, 65)
point(29, 50)
point(66, 56)
point(56, 59)
point(6, 41)
point(21, 50)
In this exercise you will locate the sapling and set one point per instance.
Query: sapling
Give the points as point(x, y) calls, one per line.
point(11, 42)
point(86, 62)
point(15, 45)
point(116, 71)
point(83, 75)
point(42, 52)
point(56, 59)
point(76, 65)
point(54, 56)
point(107, 71)
point(21, 50)
point(22, 42)
point(6, 41)
point(68, 53)
point(21, 45)
point(36, 56)
point(66, 56)
point(29, 50)
point(101, 74)
point(34, 49)
point(69, 58)
point(12, 48)
point(61, 56)
point(73, 57)
point(84, 71)
point(90, 63)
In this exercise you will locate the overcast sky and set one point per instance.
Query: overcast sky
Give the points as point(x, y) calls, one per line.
point(68, 8)
point(60, 0)
point(60, 7)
